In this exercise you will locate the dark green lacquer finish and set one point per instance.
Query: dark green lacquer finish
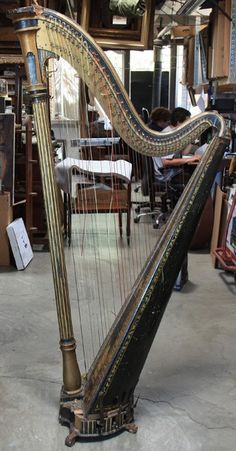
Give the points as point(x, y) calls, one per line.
point(118, 378)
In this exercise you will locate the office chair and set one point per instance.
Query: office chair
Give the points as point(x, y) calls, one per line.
point(145, 115)
point(168, 193)
point(152, 188)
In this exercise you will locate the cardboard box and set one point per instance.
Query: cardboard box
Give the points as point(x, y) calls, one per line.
point(5, 219)
point(20, 244)
point(230, 233)
point(220, 215)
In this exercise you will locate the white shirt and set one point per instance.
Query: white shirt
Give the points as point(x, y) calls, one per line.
point(157, 161)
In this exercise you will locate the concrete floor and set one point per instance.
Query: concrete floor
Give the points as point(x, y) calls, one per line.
point(187, 390)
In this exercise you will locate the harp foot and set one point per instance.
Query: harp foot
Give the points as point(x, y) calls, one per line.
point(94, 426)
point(71, 438)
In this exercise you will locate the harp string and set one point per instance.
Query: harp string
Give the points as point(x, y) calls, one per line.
point(87, 240)
point(102, 330)
point(146, 234)
point(108, 221)
point(77, 288)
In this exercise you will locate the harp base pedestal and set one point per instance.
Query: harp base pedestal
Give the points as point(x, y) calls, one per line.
point(99, 425)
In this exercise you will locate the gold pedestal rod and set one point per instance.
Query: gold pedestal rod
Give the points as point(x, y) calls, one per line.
point(71, 373)
point(38, 91)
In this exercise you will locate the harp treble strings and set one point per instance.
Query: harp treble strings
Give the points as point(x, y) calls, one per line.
point(126, 256)
point(92, 244)
point(120, 248)
point(116, 184)
point(142, 233)
point(137, 254)
point(133, 258)
point(100, 231)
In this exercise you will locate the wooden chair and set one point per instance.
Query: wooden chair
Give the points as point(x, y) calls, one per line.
point(100, 187)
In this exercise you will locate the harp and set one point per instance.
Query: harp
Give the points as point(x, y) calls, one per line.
point(102, 403)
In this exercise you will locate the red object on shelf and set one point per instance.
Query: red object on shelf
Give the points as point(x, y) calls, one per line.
point(225, 256)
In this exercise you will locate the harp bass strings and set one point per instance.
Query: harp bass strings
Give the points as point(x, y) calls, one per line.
point(88, 240)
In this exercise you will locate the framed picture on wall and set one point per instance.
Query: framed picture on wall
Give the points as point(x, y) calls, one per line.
point(117, 32)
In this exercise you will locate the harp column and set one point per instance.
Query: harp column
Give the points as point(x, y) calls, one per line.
point(26, 30)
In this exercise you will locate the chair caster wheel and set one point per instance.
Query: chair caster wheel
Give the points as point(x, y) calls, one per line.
point(156, 226)
point(136, 220)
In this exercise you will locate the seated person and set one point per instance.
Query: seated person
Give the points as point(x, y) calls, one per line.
point(168, 167)
point(159, 119)
point(178, 116)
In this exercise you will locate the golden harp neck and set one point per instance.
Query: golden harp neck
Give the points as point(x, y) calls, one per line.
point(44, 30)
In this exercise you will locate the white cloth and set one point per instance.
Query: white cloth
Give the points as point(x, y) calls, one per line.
point(63, 170)
point(158, 161)
point(165, 174)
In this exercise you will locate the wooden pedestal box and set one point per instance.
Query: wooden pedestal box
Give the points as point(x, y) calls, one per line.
point(5, 219)
point(116, 200)
point(102, 201)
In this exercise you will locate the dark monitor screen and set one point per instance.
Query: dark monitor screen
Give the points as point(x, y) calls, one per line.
point(224, 105)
